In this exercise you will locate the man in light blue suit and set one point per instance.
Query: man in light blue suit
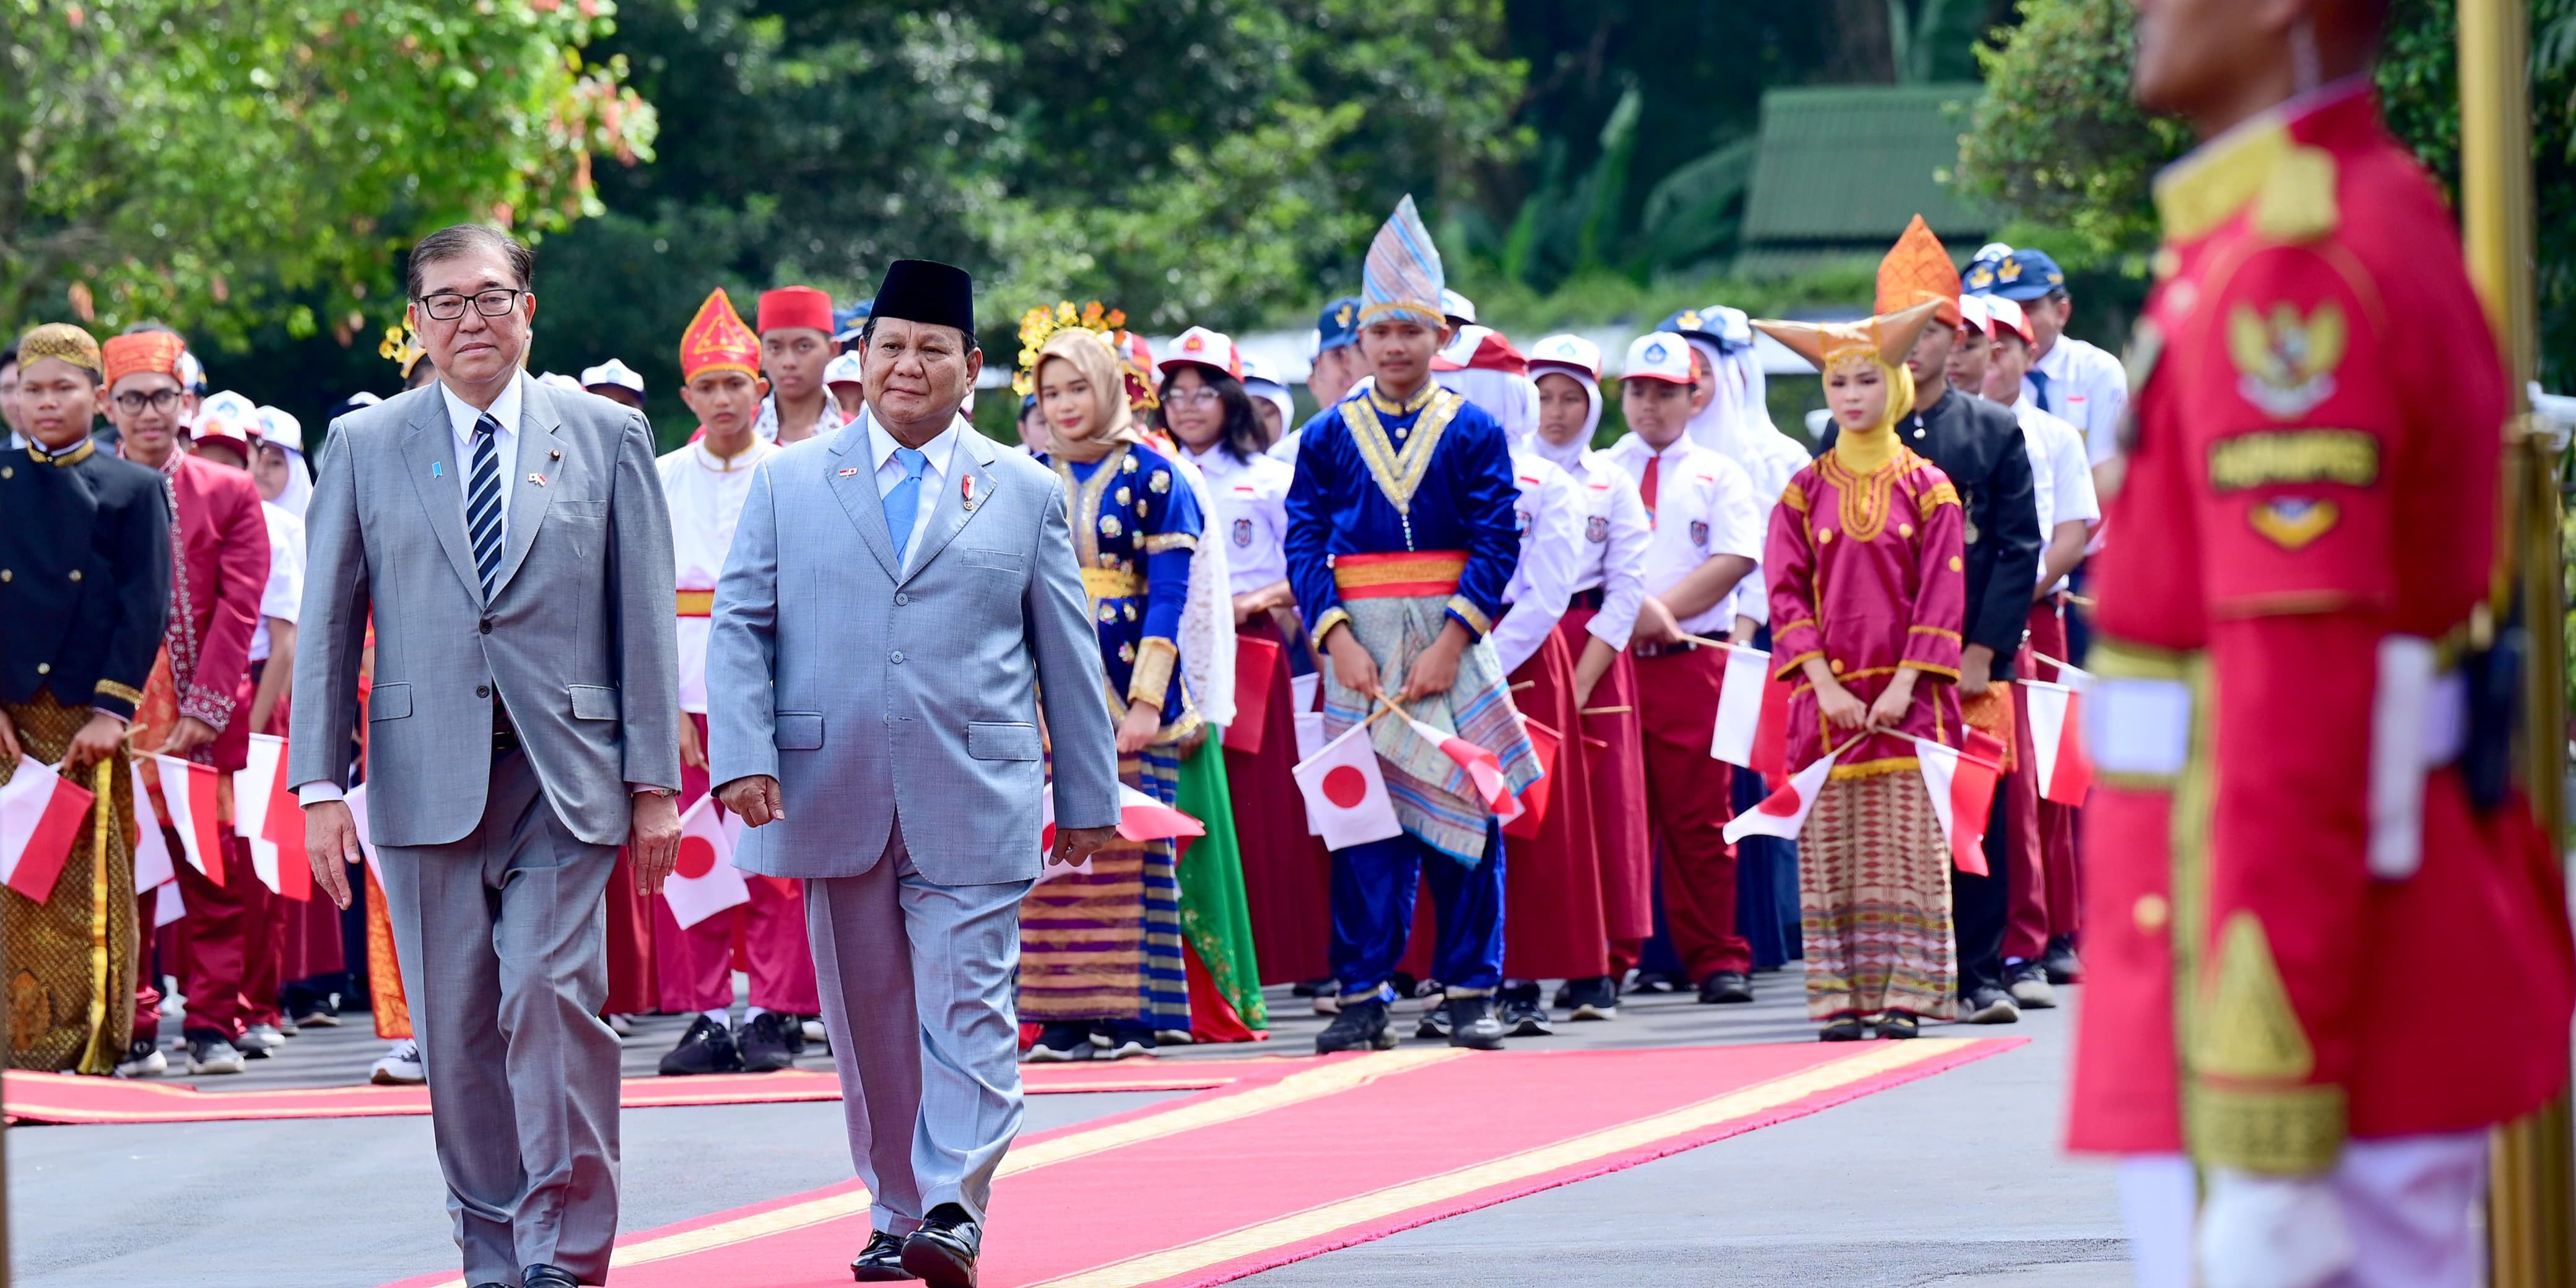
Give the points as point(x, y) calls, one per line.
point(898, 595)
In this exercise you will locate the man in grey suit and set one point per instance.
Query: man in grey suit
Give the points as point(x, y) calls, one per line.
point(898, 596)
point(510, 542)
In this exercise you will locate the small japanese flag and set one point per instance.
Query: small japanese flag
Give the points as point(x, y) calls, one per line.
point(705, 882)
point(1963, 794)
point(2057, 740)
point(1346, 798)
point(1752, 715)
point(152, 864)
point(1484, 768)
point(1784, 812)
point(41, 813)
point(259, 793)
point(188, 789)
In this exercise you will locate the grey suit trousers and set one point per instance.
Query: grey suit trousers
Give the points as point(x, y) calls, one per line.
point(502, 937)
point(916, 990)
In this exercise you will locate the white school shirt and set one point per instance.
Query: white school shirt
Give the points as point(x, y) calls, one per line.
point(2087, 388)
point(285, 588)
point(1615, 535)
point(705, 496)
point(1549, 515)
point(461, 420)
point(1704, 507)
point(881, 448)
point(1251, 503)
point(2060, 475)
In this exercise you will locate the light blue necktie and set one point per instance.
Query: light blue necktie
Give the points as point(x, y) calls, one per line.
point(2039, 386)
point(903, 501)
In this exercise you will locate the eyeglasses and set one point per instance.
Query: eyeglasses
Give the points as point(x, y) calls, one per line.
point(1201, 396)
point(161, 400)
point(448, 306)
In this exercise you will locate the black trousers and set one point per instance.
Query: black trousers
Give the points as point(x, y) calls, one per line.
point(1979, 906)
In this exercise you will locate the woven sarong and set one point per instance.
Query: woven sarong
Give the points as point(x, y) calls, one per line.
point(1874, 894)
point(71, 958)
point(1106, 944)
point(1433, 797)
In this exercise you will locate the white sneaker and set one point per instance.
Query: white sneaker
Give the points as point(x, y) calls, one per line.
point(621, 1024)
point(814, 1032)
point(260, 1041)
point(143, 1060)
point(213, 1055)
point(400, 1068)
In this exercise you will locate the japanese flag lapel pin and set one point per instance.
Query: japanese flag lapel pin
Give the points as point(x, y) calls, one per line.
point(849, 474)
point(966, 491)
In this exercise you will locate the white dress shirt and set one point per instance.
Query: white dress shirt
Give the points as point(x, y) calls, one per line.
point(705, 497)
point(461, 418)
point(1615, 535)
point(2060, 475)
point(1251, 503)
point(2087, 388)
point(1704, 507)
point(285, 589)
point(1549, 515)
point(934, 476)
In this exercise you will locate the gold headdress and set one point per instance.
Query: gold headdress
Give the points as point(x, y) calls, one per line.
point(1040, 324)
point(401, 347)
point(61, 340)
point(1882, 340)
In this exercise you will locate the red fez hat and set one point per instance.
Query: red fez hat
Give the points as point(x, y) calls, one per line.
point(791, 306)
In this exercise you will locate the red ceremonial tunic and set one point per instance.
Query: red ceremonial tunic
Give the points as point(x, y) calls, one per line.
point(218, 568)
point(1866, 573)
point(2313, 470)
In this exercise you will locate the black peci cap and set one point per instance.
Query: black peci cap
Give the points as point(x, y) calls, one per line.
point(921, 290)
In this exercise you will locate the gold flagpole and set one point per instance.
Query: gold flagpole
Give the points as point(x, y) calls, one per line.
point(2532, 1208)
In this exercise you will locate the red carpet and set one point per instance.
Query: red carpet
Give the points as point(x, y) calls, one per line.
point(67, 1098)
point(1342, 1151)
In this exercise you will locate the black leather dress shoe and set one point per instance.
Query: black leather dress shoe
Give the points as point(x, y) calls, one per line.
point(942, 1252)
point(881, 1261)
point(763, 1043)
point(706, 1048)
point(545, 1276)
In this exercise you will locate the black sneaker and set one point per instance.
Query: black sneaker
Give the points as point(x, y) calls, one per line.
point(1434, 1024)
point(881, 1261)
point(707, 1047)
point(209, 1053)
point(764, 1044)
point(2061, 963)
point(1521, 1012)
point(1589, 999)
point(1725, 987)
point(143, 1059)
point(1314, 987)
point(1126, 1038)
point(792, 1029)
point(1360, 1026)
point(1987, 1004)
point(1473, 1023)
point(2028, 984)
point(1654, 981)
point(1061, 1040)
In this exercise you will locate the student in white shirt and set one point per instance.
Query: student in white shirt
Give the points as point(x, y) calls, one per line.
point(2075, 381)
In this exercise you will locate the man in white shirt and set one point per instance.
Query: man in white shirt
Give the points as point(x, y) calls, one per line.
point(1708, 533)
point(2077, 382)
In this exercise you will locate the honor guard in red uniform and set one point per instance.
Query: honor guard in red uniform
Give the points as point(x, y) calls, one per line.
point(2301, 807)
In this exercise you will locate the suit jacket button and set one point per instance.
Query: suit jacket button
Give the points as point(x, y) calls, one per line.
point(44, 668)
point(901, 599)
point(482, 690)
point(487, 625)
point(75, 574)
point(895, 657)
point(5, 574)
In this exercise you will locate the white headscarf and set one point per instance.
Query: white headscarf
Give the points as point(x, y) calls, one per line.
point(1564, 456)
point(1511, 399)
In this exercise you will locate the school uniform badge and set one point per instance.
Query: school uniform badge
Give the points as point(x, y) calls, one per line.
point(1243, 534)
point(1596, 529)
point(1699, 532)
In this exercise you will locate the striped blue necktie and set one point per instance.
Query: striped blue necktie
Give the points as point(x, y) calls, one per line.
point(483, 502)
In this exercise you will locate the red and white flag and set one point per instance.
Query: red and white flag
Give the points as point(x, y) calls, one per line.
point(2057, 740)
point(41, 813)
point(259, 796)
point(705, 882)
point(1345, 792)
point(1963, 793)
point(168, 906)
point(1784, 811)
point(1142, 818)
point(1752, 715)
point(356, 800)
point(1529, 809)
point(189, 790)
point(1484, 768)
point(153, 866)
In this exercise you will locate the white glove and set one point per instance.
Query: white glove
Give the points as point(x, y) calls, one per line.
point(2259, 1231)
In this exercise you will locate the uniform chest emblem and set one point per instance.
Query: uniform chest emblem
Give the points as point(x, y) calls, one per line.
point(2285, 362)
point(1596, 529)
point(1521, 522)
point(1699, 532)
point(1243, 534)
point(2294, 522)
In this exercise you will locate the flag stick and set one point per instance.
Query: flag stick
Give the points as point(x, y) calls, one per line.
point(1705, 642)
point(1605, 711)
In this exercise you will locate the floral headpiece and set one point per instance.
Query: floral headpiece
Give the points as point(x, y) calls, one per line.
point(1040, 324)
point(401, 347)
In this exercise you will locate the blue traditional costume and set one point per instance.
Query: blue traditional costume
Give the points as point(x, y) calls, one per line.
point(1106, 945)
point(1400, 521)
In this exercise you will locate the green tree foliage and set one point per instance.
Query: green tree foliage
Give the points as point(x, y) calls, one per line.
point(229, 165)
point(2056, 143)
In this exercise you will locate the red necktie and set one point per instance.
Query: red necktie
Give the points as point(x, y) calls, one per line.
point(1646, 487)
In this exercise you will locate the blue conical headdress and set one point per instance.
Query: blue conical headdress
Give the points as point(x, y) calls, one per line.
point(1402, 277)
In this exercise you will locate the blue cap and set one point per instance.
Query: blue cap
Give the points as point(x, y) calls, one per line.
point(847, 321)
point(1339, 324)
point(1727, 328)
point(2021, 276)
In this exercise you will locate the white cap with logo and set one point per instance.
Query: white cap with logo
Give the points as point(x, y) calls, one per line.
point(1658, 355)
point(613, 374)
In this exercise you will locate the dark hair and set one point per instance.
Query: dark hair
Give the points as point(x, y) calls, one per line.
point(1241, 437)
point(868, 333)
point(459, 240)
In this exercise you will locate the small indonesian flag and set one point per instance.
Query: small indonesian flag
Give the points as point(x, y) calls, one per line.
point(705, 882)
point(1048, 868)
point(1752, 715)
point(1142, 818)
point(1346, 798)
point(2057, 740)
point(1784, 812)
point(41, 813)
point(1963, 793)
point(189, 789)
point(259, 794)
point(153, 867)
point(1484, 768)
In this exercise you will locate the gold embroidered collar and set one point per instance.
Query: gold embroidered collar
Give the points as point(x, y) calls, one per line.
point(1421, 398)
point(64, 459)
point(1399, 470)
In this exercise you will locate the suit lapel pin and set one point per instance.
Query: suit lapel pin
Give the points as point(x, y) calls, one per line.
point(538, 479)
point(966, 491)
point(849, 474)
point(437, 470)
point(555, 455)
